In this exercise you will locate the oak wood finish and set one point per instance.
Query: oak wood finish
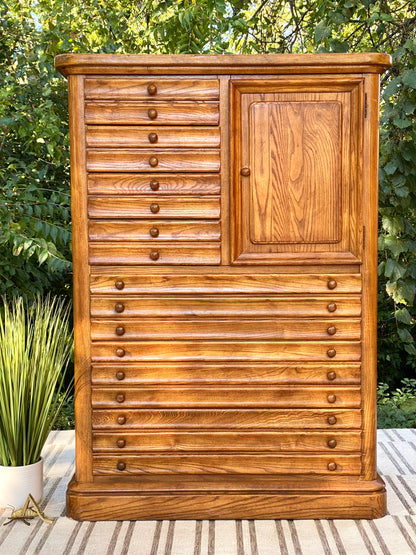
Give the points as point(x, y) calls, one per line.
point(236, 377)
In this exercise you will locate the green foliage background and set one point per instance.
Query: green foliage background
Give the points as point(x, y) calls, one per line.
point(35, 240)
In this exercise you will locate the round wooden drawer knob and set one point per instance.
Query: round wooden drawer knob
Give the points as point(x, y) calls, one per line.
point(154, 208)
point(331, 375)
point(120, 352)
point(332, 420)
point(331, 353)
point(154, 232)
point(332, 466)
point(120, 375)
point(153, 138)
point(121, 443)
point(332, 330)
point(120, 330)
point(153, 161)
point(152, 113)
point(332, 443)
point(154, 255)
point(154, 185)
point(121, 465)
point(332, 284)
point(332, 398)
point(331, 307)
point(119, 284)
point(120, 398)
point(121, 420)
point(119, 307)
point(245, 172)
point(152, 89)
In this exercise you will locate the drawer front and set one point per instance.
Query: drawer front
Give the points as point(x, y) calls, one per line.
point(152, 113)
point(292, 330)
point(160, 184)
point(154, 207)
point(162, 373)
point(226, 396)
point(112, 160)
point(160, 253)
point(153, 230)
point(103, 281)
point(253, 463)
point(99, 136)
point(348, 351)
point(231, 419)
point(133, 88)
point(225, 307)
point(120, 443)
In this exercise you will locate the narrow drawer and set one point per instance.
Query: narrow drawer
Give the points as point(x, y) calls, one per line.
point(291, 330)
point(137, 88)
point(103, 281)
point(160, 184)
point(226, 397)
point(160, 253)
point(112, 136)
point(153, 230)
point(152, 113)
point(206, 160)
point(252, 463)
point(197, 350)
point(154, 207)
point(120, 443)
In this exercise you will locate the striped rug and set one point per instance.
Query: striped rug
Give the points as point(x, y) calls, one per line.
point(394, 534)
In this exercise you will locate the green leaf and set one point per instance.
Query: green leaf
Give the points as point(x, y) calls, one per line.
point(390, 168)
point(403, 315)
point(409, 78)
point(405, 335)
point(322, 31)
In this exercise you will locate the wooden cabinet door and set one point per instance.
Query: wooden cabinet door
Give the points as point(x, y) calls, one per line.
point(296, 171)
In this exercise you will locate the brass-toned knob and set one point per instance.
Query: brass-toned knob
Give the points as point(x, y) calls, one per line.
point(152, 89)
point(121, 420)
point(120, 398)
point(121, 465)
point(154, 232)
point(331, 284)
point(120, 352)
point(332, 466)
point(331, 307)
point(121, 443)
point(120, 330)
point(119, 284)
point(245, 172)
point(331, 353)
point(332, 398)
point(332, 420)
point(152, 113)
point(332, 443)
point(331, 330)
point(331, 375)
point(154, 255)
point(119, 307)
point(154, 208)
point(153, 138)
point(154, 185)
point(120, 375)
point(153, 161)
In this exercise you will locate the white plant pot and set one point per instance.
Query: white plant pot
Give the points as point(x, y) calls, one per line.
point(16, 482)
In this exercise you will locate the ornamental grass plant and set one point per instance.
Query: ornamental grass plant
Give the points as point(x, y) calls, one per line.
point(35, 348)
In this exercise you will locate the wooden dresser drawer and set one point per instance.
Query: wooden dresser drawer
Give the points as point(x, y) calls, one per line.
point(130, 160)
point(156, 113)
point(137, 88)
point(154, 207)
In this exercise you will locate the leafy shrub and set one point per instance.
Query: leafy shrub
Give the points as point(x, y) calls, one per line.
point(397, 409)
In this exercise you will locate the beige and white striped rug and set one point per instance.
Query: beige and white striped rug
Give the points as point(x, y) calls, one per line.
point(394, 534)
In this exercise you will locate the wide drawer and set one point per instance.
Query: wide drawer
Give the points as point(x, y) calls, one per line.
point(119, 442)
point(199, 350)
point(151, 113)
point(154, 207)
point(289, 329)
point(123, 160)
point(103, 280)
point(112, 136)
point(160, 184)
point(252, 463)
point(226, 397)
point(153, 230)
point(148, 253)
point(137, 88)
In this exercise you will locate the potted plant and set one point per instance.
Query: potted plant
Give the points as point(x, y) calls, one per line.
point(35, 348)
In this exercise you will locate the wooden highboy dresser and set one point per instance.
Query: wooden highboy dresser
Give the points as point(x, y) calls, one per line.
point(225, 236)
